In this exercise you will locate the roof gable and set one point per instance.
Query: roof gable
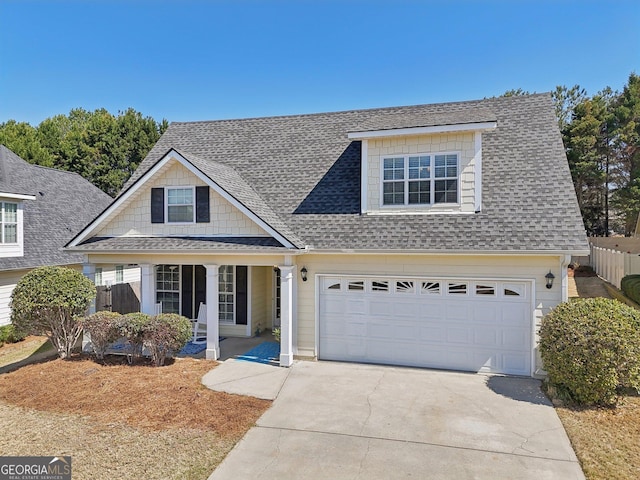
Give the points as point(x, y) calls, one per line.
point(229, 188)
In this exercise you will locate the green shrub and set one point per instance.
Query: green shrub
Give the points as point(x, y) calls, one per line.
point(165, 334)
point(591, 349)
point(630, 286)
point(9, 334)
point(103, 328)
point(131, 326)
point(50, 301)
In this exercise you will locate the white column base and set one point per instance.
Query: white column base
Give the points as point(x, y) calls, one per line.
point(286, 359)
point(212, 354)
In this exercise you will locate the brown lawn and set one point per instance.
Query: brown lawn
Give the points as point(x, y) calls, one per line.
point(121, 421)
point(606, 440)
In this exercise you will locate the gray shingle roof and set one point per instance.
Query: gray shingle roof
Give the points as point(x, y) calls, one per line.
point(65, 202)
point(308, 172)
point(154, 244)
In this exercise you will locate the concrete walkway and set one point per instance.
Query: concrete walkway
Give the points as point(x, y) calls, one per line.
point(333, 420)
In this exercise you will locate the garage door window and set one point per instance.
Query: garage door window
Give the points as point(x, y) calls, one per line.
point(379, 286)
point(405, 287)
point(431, 288)
point(457, 288)
point(356, 286)
point(485, 289)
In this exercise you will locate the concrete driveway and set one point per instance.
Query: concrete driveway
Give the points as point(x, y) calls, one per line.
point(335, 420)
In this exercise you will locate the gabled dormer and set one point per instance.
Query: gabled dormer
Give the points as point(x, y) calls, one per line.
point(12, 224)
point(425, 169)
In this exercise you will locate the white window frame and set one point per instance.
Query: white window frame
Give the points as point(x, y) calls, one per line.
point(193, 204)
point(232, 294)
point(97, 279)
point(163, 290)
point(119, 273)
point(432, 180)
point(3, 223)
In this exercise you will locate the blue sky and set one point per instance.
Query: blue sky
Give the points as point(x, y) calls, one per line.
point(204, 60)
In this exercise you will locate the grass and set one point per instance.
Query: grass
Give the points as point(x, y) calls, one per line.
point(121, 421)
point(606, 440)
point(30, 346)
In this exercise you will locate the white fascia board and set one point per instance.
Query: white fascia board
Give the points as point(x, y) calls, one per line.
point(172, 154)
point(93, 226)
point(398, 132)
point(17, 196)
point(549, 253)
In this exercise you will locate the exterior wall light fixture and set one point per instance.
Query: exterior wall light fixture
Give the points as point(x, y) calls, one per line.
point(549, 276)
point(303, 274)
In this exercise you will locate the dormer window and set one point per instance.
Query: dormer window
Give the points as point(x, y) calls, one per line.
point(422, 179)
point(9, 222)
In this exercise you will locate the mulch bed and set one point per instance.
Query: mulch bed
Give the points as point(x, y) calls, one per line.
point(143, 396)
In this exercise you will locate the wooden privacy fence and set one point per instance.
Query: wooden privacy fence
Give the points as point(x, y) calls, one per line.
point(612, 265)
point(120, 297)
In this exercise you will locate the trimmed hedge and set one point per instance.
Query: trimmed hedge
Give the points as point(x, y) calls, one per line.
point(9, 334)
point(591, 349)
point(166, 334)
point(104, 328)
point(131, 326)
point(630, 286)
point(51, 301)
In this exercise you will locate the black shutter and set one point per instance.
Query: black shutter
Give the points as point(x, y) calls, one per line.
point(187, 292)
point(241, 295)
point(157, 205)
point(202, 205)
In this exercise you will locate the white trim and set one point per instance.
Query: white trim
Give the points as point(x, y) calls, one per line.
point(477, 169)
point(17, 196)
point(166, 204)
point(249, 300)
point(348, 251)
point(397, 132)
point(173, 155)
point(364, 175)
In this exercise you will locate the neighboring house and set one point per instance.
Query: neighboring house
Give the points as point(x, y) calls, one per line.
point(420, 235)
point(41, 209)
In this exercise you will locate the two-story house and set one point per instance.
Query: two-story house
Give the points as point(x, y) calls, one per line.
point(430, 235)
point(41, 209)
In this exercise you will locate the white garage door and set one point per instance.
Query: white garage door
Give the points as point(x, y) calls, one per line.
point(472, 325)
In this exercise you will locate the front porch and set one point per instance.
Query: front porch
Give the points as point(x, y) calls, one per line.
point(238, 347)
point(250, 300)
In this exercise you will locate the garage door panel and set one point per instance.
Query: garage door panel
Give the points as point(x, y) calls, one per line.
point(380, 308)
point(400, 322)
point(460, 336)
point(358, 306)
point(487, 337)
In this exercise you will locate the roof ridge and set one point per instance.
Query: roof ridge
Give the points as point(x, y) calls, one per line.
point(356, 110)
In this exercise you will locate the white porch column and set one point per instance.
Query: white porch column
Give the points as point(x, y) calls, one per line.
point(213, 326)
point(287, 282)
point(147, 289)
point(89, 271)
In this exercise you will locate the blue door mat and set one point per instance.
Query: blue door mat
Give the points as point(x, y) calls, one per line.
point(267, 353)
